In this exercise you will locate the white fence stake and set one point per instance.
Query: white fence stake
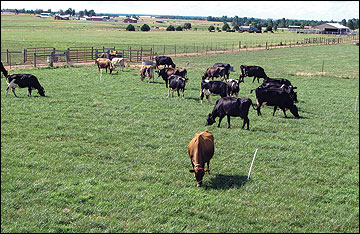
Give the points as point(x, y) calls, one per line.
point(252, 164)
point(356, 102)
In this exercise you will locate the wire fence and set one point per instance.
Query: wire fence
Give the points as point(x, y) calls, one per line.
point(51, 56)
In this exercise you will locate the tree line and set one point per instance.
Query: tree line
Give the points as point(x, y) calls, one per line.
point(235, 21)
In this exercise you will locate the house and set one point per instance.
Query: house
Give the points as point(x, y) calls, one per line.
point(62, 17)
point(94, 18)
point(44, 15)
point(130, 20)
point(332, 28)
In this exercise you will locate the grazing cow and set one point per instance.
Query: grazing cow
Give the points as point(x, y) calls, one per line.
point(176, 83)
point(201, 149)
point(227, 67)
point(230, 106)
point(24, 81)
point(118, 62)
point(104, 63)
point(212, 88)
point(212, 72)
point(277, 97)
point(147, 71)
point(286, 88)
point(255, 71)
point(164, 60)
point(166, 72)
point(278, 81)
point(3, 70)
point(233, 87)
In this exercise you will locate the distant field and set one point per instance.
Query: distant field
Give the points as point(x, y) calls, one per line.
point(111, 155)
point(22, 31)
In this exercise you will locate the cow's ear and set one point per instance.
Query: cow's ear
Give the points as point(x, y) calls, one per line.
point(192, 170)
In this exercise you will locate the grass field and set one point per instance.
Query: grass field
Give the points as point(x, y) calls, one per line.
point(111, 155)
point(23, 31)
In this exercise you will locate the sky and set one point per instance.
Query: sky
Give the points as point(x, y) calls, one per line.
point(300, 10)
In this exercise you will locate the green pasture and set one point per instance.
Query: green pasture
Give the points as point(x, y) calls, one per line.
point(22, 31)
point(111, 155)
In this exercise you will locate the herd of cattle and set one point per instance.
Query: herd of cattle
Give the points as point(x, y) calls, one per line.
point(272, 92)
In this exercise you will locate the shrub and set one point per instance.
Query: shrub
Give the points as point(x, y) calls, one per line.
point(170, 28)
point(145, 28)
point(211, 28)
point(130, 27)
point(179, 28)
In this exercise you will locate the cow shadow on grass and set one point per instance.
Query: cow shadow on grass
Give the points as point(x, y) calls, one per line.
point(225, 181)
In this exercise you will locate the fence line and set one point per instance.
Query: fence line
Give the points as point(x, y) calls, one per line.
point(44, 55)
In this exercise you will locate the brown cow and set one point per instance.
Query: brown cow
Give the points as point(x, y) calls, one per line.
point(147, 71)
point(104, 63)
point(212, 72)
point(201, 150)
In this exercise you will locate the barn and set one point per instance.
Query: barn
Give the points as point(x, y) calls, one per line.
point(332, 28)
point(130, 20)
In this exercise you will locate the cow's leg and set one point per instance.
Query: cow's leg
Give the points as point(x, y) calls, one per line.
point(183, 94)
point(178, 92)
point(29, 90)
point(275, 108)
point(11, 86)
point(284, 112)
point(246, 121)
point(208, 162)
point(208, 98)
point(201, 96)
point(254, 79)
point(220, 118)
point(228, 119)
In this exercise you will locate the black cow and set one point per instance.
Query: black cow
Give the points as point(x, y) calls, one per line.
point(24, 81)
point(165, 73)
point(277, 97)
point(176, 83)
point(212, 72)
point(164, 60)
point(3, 70)
point(233, 87)
point(213, 88)
point(280, 83)
point(230, 106)
point(226, 66)
point(252, 71)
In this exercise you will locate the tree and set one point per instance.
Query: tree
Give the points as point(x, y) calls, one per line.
point(211, 28)
point(350, 24)
point(91, 13)
point(268, 28)
point(225, 26)
point(343, 22)
point(170, 28)
point(179, 28)
point(145, 28)
point(187, 26)
point(130, 27)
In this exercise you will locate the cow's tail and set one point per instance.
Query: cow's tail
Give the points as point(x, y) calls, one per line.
point(252, 90)
point(251, 103)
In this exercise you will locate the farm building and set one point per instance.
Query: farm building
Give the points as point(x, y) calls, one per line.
point(62, 17)
point(94, 18)
point(332, 28)
point(130, 20)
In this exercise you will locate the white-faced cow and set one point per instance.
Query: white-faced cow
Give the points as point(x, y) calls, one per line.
point(212, 87)
point(201, 149)
point(277, 97)
point(176, 83)
point(230, 106)
point(252, 71)
point(164, 60)
point(233, 87)
point(147, 71)
point(24, 81)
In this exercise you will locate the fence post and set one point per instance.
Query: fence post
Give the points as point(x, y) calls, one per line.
point(130, 54)
point(141, 51)
point(34, 59)
point(175, 50)
point(24, 55)
point(92, 53)
point(67, 56)
point(266, 47)
point(239, 45)
point(7, 56)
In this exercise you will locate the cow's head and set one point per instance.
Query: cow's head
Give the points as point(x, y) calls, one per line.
point(210, 120)
point(199, 173)
point(294, 111)
point(41, 91)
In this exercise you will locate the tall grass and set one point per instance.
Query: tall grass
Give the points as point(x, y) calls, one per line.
point(111, 156)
